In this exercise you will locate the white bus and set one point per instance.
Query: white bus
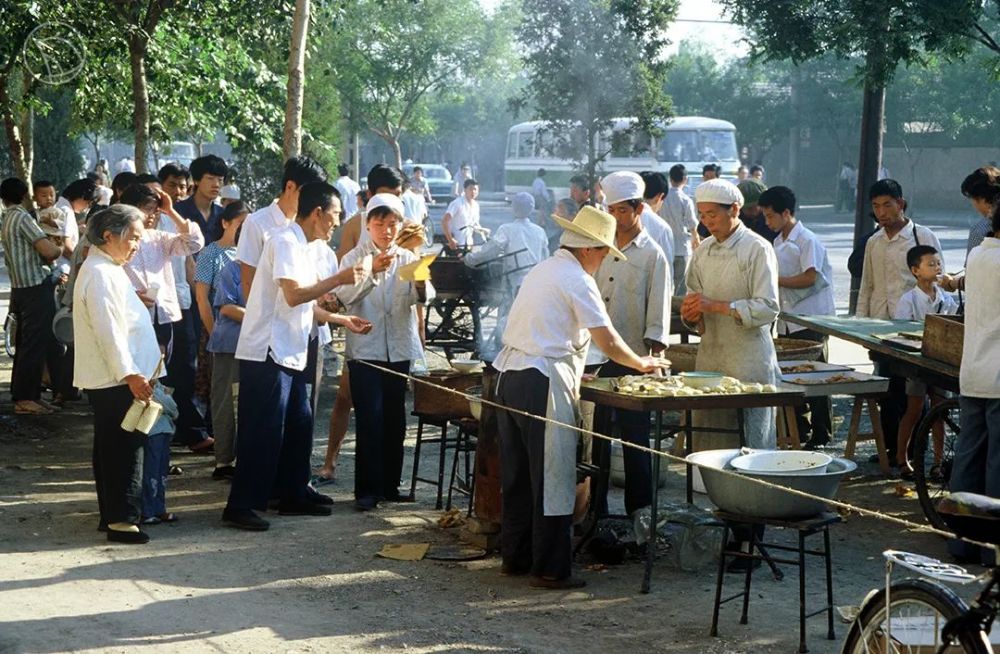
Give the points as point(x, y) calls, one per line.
point(690, 140)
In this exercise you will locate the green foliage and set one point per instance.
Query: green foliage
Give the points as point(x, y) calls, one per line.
point(893, 31)
point(57, 154)
point(389, 58)
point(589, 61)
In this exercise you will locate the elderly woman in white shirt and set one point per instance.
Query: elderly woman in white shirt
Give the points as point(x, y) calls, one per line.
point(117, 367)
point(376, 360)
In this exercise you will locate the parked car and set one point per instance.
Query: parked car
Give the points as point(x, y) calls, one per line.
point(438, 180)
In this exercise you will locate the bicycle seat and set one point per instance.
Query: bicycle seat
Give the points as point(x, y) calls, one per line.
point(972, 516)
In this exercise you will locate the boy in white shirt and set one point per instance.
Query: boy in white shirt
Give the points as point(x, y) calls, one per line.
point(926, 297)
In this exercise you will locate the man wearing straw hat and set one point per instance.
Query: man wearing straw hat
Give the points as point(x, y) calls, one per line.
point(554, 316)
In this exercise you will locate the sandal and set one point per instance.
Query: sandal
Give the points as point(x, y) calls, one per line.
point(320, 480)
point(151, 520)
point(31, 408)
point(168, 517)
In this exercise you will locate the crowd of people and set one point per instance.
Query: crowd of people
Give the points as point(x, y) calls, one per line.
point(178, 292)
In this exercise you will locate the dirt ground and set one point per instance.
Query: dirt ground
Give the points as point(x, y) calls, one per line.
point(314, 584)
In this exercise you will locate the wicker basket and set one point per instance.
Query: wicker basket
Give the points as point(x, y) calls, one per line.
point(683, 355)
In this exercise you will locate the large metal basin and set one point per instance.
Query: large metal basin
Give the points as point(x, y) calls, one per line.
point(735, 495)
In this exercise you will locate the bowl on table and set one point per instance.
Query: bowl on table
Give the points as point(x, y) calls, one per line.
point(466, 365)
point(701, 379)
point(734, 494)
point(783, 462)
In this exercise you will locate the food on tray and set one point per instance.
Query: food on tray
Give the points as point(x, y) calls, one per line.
point(839, 378)
point(802, 367)
point(649, 386)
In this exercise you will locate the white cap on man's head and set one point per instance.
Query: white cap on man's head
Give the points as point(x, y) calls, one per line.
point(622, 185)
point(522, 204)
point(230, 192)
point(386, 200)
point(719, 191)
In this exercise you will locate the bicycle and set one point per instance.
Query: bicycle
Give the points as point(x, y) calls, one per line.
point(925, 616)
point(932, 487)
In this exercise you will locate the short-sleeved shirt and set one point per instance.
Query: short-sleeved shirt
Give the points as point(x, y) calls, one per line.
point(211, 228)
point(255, 231)
point(977, 233)
point(348, 189)
point(979, 375)
point(679, 212)
point(210, 263)
point(660, 232)
point(572, 304)
point(226, 333)
point(801, 251)
point(414, 206)
point(270, 326)
point(20, 232)
point(464, 219)
point(915, 304)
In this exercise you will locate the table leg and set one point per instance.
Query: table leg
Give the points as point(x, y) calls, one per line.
point(802, 593)
point(876, 417)
point(742, 427)
point(688, 437)
point(651, 541)
point(720, 577)
point(792, 427)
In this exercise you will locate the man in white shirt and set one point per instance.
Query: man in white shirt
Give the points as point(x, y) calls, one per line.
point(522, 245)
point(413, 204)
point(464, 173)
point(461, 218)
point(636, 293)
point(348, 189)
point(540, 369)
point(805, 287)
point(540, 192)
point(657, 228)
point(299, 171)
point(275, 420)
point(679, 212)
point(886, 276)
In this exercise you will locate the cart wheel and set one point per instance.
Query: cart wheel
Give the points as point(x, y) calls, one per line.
point(931, 487)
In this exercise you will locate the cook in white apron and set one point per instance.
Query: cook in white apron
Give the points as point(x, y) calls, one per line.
point(545, 343)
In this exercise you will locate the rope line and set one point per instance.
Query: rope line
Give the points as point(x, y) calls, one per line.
point(676, 459)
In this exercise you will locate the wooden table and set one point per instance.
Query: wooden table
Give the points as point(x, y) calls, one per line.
point(893, 360)
point(599, 392)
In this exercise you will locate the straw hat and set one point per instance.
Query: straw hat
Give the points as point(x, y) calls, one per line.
point(594, 224)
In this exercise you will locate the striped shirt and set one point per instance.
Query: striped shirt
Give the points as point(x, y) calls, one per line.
point(24, 264)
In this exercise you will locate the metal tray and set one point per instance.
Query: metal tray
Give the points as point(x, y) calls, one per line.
point(862, 384)
point(817, 366)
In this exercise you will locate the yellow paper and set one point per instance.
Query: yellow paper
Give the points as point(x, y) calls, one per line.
point(417, 271)
point(404, 551)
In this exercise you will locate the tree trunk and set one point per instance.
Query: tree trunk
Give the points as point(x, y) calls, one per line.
point(137, 48)
point(296, 80)
point(397, 151)
point(28, 142)
point(12, 129)
point(869, 162)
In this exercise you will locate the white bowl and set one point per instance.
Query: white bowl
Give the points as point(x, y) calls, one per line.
point(701, 379)
point(469, 365)
point(783, 462)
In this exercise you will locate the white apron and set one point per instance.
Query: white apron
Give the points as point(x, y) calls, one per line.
point(559, 485)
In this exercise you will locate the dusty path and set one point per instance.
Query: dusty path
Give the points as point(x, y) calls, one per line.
point(313, 584)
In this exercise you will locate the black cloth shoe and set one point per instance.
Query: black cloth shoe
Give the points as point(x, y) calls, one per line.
point(128, 537)
point(224, 472)
point(365, 503)
point(303, 508)
point(244, 519)
point(815, 443)
point(741, 565)
point(396, 496)
point(315, 497)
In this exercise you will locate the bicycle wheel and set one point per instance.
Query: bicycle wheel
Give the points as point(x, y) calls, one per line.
point(9, 332)
point(932, 488)
point(916, 616)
